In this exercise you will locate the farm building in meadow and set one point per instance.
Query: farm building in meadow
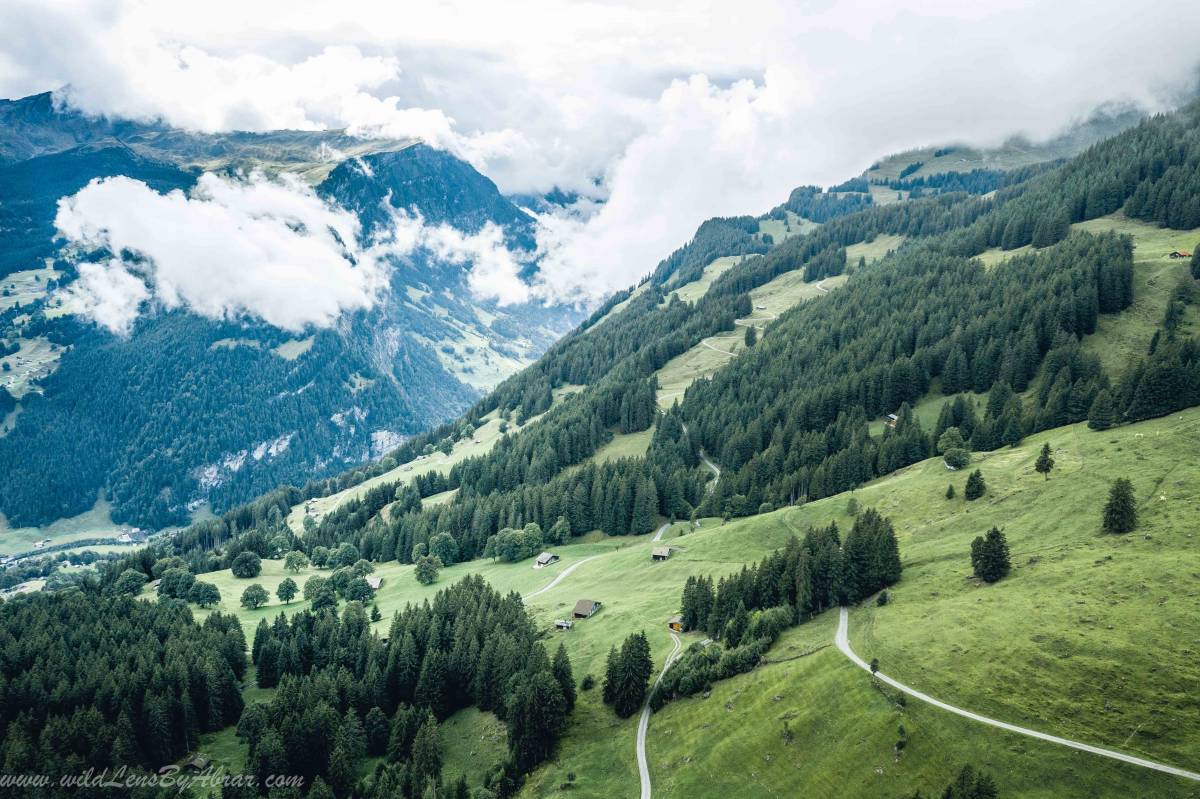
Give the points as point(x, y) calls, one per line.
point(676, 623)
point(660, 553)
point(1181, 254)
point(544, 560)
point(890, 420)
point(374, 582)
point(199, 762)
point(585, 608)
point(563, 624)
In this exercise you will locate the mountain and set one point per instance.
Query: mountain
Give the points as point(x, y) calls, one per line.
point(821, 467)
point(189, 413)
point(891, 345)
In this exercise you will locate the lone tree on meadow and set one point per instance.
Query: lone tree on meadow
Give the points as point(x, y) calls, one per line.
point(989, 556)
point(1045, 461)
point(950, 491)
point(246, 565)
point(1120, 512)
point(254, 597)
point(287, 590)
point(975, 488)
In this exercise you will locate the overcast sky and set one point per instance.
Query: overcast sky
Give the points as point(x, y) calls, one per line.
point(671, 113)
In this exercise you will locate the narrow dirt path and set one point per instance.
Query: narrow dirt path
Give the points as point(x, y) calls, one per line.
point(562, 576)
point(843, 643)
point(658, 536)
point(715, 349)
point(644, 721)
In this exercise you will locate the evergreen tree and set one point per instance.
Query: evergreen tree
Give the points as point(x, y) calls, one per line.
point(644, 504)
point(627, 675)
point(427, 752)
point(1120, 512)
point(1045, 461)
point(1103, 413)
point(950, 491)
point(751, 336)
point(989, 556)
point(561, 669)
point(976, 487)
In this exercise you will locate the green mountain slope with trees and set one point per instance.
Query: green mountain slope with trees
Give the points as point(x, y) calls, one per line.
point(989, 581)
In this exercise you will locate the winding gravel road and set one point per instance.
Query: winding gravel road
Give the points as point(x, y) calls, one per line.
point(562, 576)
point(842, 640)
point(717, 349)
point(644, 721)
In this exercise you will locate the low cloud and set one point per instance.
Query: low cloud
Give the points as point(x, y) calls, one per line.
point(268, 249)
point(667, 117)
point(260, 248)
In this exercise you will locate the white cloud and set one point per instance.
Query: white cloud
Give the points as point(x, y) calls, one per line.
point(681, 111)
point(271, 250)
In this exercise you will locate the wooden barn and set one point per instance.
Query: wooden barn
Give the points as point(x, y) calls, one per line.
point(585, 608)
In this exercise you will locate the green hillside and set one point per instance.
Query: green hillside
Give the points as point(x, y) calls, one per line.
point(1052, 647)
point(732, 401)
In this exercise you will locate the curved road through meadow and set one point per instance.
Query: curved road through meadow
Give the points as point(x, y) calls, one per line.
point(562, 576)
point(644, 721)
point(842, 640)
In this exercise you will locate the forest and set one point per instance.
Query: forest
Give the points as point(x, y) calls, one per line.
point(345, 694)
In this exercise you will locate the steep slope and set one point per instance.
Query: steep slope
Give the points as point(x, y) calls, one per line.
point(30, 191)
point(188, 413)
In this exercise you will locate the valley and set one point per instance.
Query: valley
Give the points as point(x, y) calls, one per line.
point(894, 479)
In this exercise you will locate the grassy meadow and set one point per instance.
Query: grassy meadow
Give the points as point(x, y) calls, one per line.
point(1055, 646)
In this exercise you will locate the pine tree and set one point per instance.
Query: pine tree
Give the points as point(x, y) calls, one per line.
point(427, 752)
point(990, 557)
point(950, 491)
point(561, 668)
point(1103, 413)
point(644, 504)
point(627, 675)
point(751, 336)
point(1045, 461)
point(976, 487)
point(1120, 512)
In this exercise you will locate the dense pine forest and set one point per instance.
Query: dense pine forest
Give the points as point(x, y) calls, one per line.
point(105, 683)
point(345, 694)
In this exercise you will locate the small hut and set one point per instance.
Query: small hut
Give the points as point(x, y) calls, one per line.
point(563, 624)
point(544, 560)
point(585, 608)
point(676, 623)
point(660, 553)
